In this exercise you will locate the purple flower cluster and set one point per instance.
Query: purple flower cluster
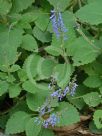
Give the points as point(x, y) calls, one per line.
point(51, 121)
point(73, 89)
point(44, 109)
point(68, 89)
point(58, 24)
point(60, 94)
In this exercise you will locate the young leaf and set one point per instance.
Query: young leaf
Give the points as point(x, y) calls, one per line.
point(29, 87)
point(14, 90)
point(97, 117)
point(3, 87)
point(17, 122)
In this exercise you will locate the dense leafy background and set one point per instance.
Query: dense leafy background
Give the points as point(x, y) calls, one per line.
point(30, 53)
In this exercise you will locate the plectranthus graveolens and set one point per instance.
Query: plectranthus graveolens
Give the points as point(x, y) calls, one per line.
point(58, 24)
point(51, 121)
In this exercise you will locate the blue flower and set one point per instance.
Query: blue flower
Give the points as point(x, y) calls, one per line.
point(58, 24)
point(51, 121)
point(73, 89)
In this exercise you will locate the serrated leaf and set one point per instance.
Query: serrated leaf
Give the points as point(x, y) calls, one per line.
point(36, 100)
point(91, 13)
point(14, 68)
point(14, 90)
point(92, 99)
point(32, 128)
point(3, 87)
point(53, 50)
point(60, 5)
point(41, 36)
point(97, 117)
point(20, 5)
point(29, 43)
point(5, 6)
point(45, 68)
point(68, 114)
point(31, 64)
point(82, 52)
point(62, 72)
point(29, 87)
point(42, 21)
point(93, 81)
point(22, 75)
point(17, 122)
point(10, 40)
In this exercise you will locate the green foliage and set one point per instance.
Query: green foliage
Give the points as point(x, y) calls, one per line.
point(35, 63)
point(19, 6)
point(91, 13)
point(32, 129)
point(98, 118)
point(3, 87)
point(92, 99)
point(68, 114)
point(29, 43)
point(17, 122)
point(5, 6)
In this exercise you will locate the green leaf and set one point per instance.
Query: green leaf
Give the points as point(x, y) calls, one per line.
point(41, 36)
point(14, 68)
point(14, 90)
point(91, 13)
point(17, 122)
point(45, 68)
point(92, 99)
point(97, 117)
point(93, 81)
point(68, 114)
point(60, 5)
point(42, 20)
point(31, 64)
point(46, 132)
point(3, 87)
point(29, 87)
point(82, 52)
point(10, 40)
point(36, 100)
point(29, 43)
point(5, 6)
point(32, 128)
point(20, 5)
point(22, 75)
point(62, 72)
point(53, 50)
point(94, 129)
